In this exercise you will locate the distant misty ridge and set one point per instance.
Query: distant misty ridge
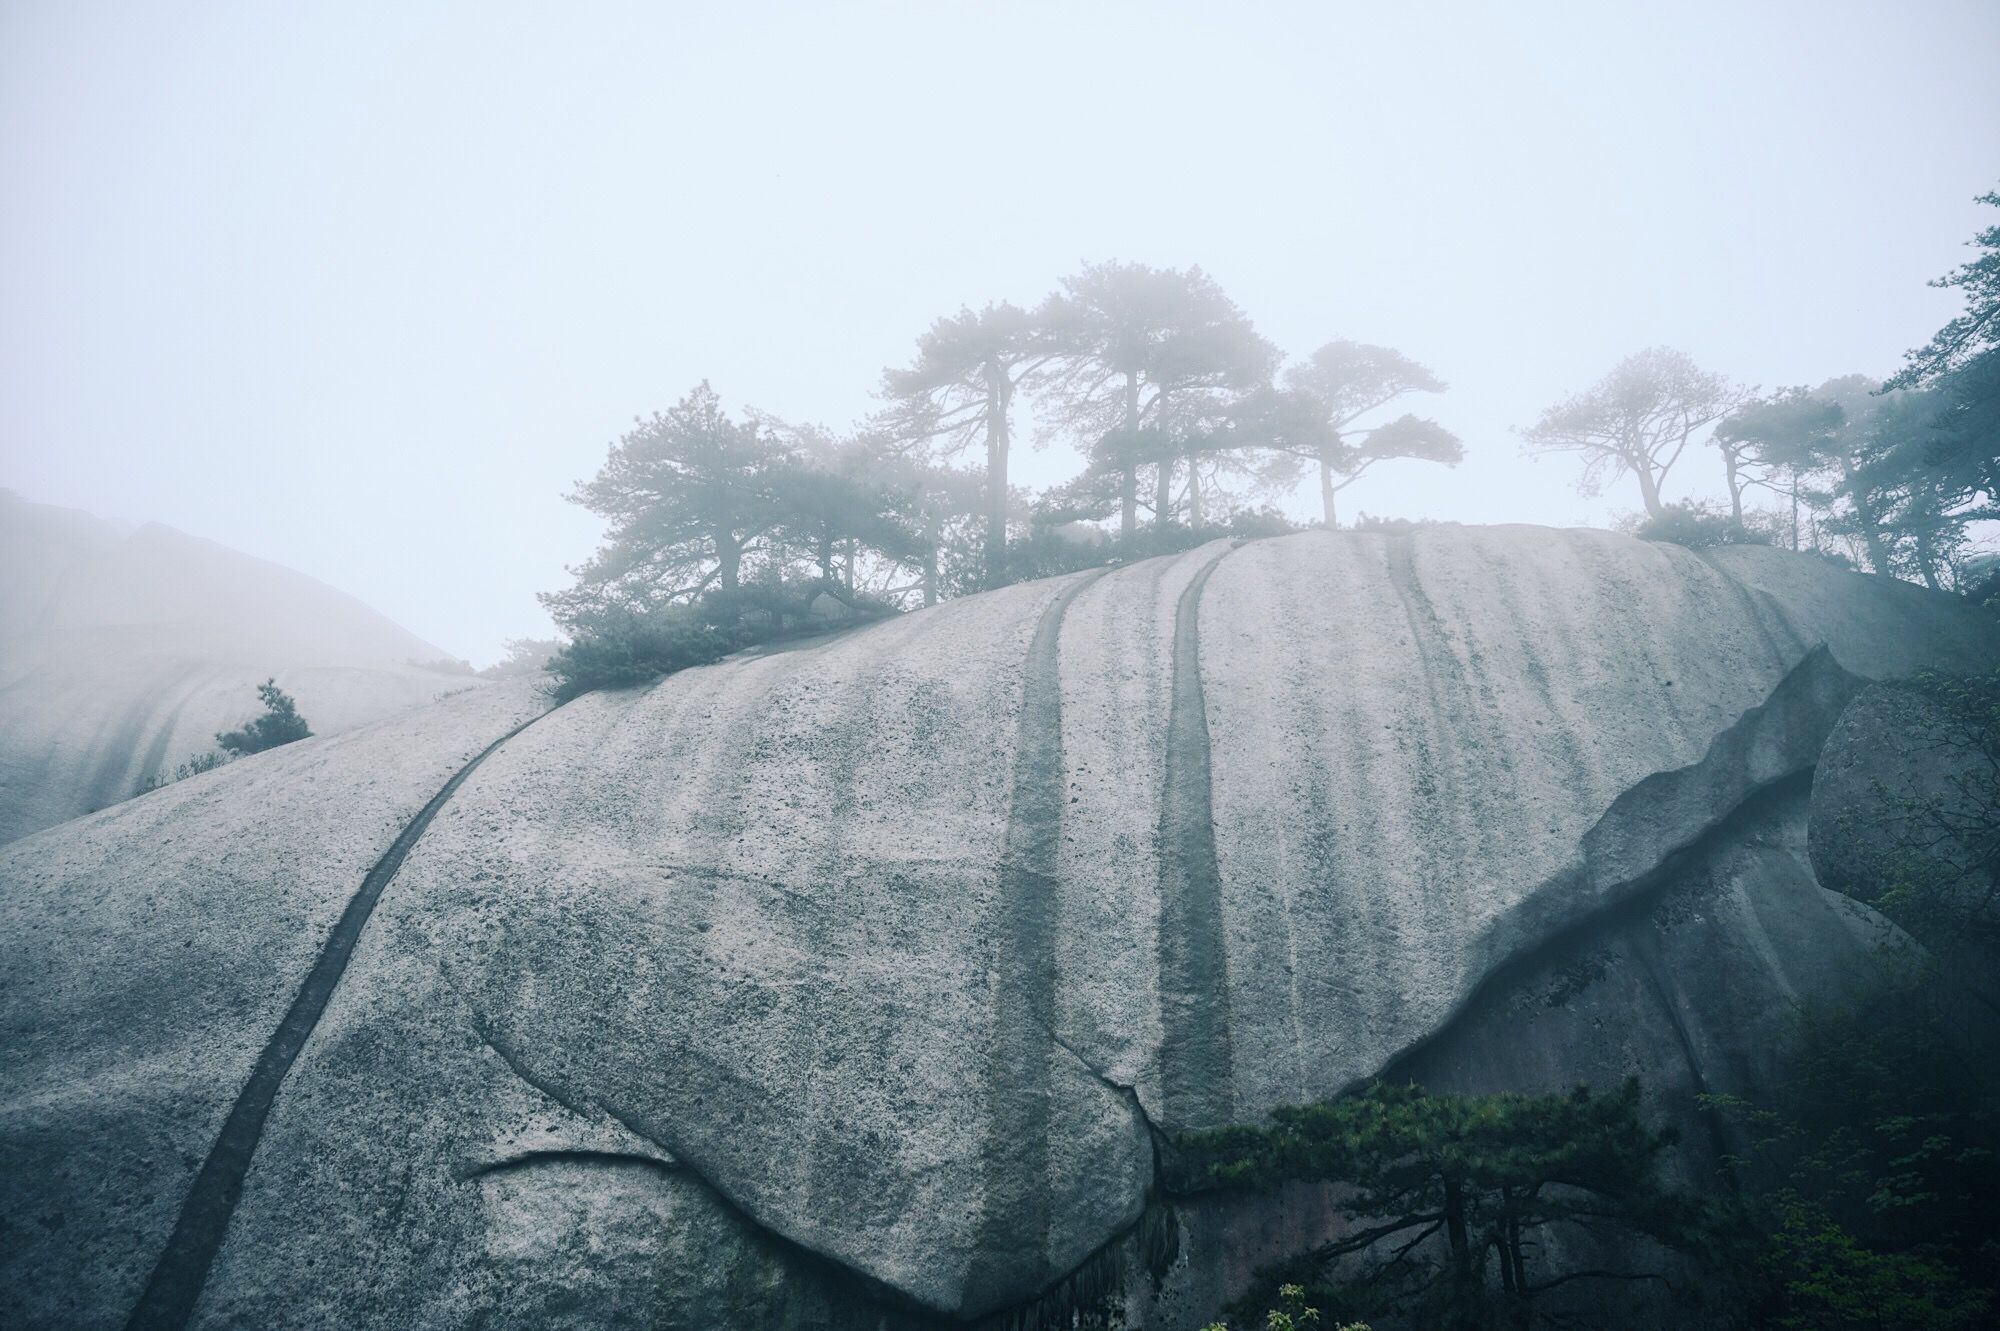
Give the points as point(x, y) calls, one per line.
point(125, 649)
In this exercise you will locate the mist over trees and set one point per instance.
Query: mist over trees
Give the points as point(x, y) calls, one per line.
point(1156, 377)
point(1882, 476)
point(1636, 421)
point(1192, 425)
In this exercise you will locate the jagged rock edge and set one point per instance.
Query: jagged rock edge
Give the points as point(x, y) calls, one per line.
point(1817, 669)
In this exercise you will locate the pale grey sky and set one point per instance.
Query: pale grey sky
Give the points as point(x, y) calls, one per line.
point(364, 288)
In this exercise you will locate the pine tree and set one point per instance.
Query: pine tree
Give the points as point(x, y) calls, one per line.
point(280, 723)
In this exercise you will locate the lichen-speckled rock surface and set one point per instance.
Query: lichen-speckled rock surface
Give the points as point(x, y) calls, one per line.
point(852, 984)
point(122, 653)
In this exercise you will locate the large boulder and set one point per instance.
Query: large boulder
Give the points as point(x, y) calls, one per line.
point(861, 984)
point(122, 653)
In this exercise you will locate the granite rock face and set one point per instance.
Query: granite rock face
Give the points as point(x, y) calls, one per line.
point(122, 653)
point(855, 984)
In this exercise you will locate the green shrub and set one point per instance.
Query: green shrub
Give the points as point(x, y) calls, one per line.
point(280, 724)
point(620, 648)
point(1698, 526)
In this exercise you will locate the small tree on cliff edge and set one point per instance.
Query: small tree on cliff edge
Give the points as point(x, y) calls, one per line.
point(280, 723)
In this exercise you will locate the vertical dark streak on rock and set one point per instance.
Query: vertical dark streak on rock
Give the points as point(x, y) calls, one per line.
point(1718, 1139)
point(1196, 1059)
point(154, 764)
point(1755, 604)
point(169, 1298)
point(111, 776)
point(1014, 1224)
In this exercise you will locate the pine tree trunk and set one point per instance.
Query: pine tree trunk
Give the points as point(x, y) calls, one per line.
point(1927, 559)
point(1649, 491)
point(1871, 534)
point(931, 537)
point(1461, 1273)
point(728, 558)
point(1128, 519)
point(1194, 493)
point(998, 389)
point(1326, 492)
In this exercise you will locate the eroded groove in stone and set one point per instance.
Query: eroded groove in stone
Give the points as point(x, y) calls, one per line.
point(168, 1300)
point(1014, 1168)
point(1195, 1054)
point(615, 1159)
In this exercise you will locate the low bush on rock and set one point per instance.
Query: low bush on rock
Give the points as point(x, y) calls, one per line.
point(279, 724)
point(618, 647)
point(1698, 526)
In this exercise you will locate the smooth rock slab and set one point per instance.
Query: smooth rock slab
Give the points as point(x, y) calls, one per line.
point(878, 962)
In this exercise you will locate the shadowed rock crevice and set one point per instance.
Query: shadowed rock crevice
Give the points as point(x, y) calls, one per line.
point(169, 1297)
point(529, 1159)
point(1196, 1079)
point(1658, 825)
point(1647, 954)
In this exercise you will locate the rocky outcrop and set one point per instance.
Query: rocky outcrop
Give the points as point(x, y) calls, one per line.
point(123, 653)
point(857, 984)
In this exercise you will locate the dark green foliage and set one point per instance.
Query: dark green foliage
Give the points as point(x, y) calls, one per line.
point(1697, 526)
point(620, 648)
point(280, 724)
point(1451, 1192)
point(1881, 1193)
point(1880, 1204)
point(699, 503)
point(1049, 549)
point(688, 497)
point(1859, 466)
point(1820, 1278)
point(1975, 333)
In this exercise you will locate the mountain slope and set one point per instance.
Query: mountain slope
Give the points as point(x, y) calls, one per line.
point(122, 653)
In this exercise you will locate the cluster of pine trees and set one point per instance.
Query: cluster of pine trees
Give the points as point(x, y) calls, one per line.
point(1173, 396)
point(1885, 477)
point(723, 530)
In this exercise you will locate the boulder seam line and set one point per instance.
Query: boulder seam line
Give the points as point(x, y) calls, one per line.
point(168, 1301)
